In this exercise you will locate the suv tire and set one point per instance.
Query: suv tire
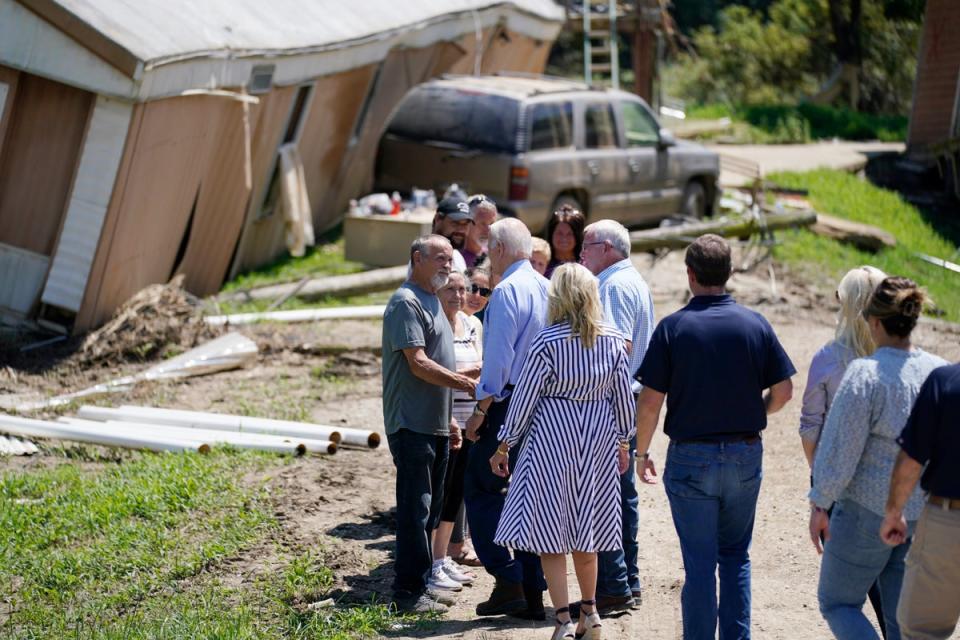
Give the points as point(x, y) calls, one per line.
point(694, 202)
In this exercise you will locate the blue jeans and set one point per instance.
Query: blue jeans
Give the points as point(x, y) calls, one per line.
point(484, 495)
point(854, 558)
point(617, 571)
point(713, 491)
point(421, 462)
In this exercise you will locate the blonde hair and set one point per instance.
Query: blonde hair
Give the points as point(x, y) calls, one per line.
point(574, 298)
point(854, 293)
point(541, 246)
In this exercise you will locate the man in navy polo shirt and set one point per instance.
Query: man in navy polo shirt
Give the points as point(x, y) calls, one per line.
point(930, 442)
point(712, 361)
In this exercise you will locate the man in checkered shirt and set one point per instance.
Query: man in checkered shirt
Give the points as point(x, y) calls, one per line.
point(628, 306)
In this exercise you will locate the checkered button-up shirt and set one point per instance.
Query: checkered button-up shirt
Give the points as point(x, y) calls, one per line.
point(628, 306)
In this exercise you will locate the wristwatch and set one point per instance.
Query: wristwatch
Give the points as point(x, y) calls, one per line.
point(477, 411)
point(642, 456)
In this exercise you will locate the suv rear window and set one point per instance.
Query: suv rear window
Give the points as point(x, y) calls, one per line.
point(456, 117)
point(551, 125)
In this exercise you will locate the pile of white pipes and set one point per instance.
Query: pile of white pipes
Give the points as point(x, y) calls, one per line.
point(228, 423)
point(174, 430)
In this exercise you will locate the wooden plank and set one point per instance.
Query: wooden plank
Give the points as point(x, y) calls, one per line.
point(862, 236)
point(678, 237)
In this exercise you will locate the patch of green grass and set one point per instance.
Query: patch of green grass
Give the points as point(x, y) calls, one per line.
point(323, 259)
point(782, 124)
point(843, 195)
point(79, 548)
point(132, 550)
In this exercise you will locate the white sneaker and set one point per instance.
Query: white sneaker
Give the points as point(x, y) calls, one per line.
point(454, 572)
point(439, 579)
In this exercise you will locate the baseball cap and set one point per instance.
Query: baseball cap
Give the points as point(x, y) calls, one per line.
point(455, 209)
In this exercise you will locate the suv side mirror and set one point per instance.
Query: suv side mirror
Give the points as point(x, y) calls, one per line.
point(667, 139)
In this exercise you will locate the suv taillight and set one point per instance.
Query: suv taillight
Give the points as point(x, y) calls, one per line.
point(519, 183)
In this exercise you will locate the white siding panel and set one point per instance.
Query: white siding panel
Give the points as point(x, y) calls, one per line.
point(96, 176)
point(21, 277)
point(31, 44)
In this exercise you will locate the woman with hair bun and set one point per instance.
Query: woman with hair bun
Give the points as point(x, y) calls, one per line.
point(854, 461)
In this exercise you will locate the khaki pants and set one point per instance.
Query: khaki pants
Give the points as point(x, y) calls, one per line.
point(930, 597)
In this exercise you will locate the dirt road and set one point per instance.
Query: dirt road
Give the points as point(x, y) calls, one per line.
point(785, 566)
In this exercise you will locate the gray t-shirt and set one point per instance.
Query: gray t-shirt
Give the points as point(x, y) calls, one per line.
point(414, 318)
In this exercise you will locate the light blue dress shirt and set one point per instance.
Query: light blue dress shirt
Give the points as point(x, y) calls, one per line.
point(515, 315)
point(628, 306)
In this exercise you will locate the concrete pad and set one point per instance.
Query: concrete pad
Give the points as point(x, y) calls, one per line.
point(843, 155)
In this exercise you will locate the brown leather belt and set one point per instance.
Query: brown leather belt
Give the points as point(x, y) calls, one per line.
point(947, 504)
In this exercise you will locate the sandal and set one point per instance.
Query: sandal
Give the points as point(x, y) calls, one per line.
point(589, 627)
point(565, 628)
point(467, 558)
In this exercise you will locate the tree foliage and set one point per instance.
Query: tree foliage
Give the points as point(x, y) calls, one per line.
point(785, 53)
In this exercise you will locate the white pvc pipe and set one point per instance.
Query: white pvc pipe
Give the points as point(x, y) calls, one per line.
point(217, 421)
point(300, 315)
point(259, 441)
point(100, 434)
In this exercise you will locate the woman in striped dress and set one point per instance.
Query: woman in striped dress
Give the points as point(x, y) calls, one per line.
point(573, 413)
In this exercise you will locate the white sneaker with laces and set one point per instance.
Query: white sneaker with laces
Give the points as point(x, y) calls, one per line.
point(439, 579)
point(454, 572)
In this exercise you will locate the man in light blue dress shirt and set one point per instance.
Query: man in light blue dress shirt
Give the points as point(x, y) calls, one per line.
point(628, 306)
point(517, 311)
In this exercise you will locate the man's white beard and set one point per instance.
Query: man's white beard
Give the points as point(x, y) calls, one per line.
point(439, 281)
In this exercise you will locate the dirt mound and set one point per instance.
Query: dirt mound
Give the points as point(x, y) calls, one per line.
point(158, 320)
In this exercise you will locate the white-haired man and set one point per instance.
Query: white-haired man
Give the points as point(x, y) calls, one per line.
point(484, 212)
point(517, 311)
point(627, 305)
point(419, 369)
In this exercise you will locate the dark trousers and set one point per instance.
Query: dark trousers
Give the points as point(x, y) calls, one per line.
point(421, 462)
point(484, 495)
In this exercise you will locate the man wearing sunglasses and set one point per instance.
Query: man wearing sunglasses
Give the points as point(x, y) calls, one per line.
point(628, 306)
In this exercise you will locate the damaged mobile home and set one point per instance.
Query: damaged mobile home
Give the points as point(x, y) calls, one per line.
point(139, 140)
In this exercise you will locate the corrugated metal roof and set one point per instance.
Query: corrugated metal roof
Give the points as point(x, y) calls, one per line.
point(11, 446)
point(158, 31)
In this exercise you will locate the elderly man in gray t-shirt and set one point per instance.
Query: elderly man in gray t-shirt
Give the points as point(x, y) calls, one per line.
point(419, 369)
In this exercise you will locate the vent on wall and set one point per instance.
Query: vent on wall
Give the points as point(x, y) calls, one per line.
point(261, 79)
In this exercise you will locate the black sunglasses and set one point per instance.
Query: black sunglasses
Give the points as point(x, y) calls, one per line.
point(483, 291)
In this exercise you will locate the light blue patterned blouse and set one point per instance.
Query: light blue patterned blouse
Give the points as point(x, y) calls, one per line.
point(858, 445)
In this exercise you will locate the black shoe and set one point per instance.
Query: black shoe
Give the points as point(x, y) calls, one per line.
point(506, 598)
point(534, 609)
point(607, 604)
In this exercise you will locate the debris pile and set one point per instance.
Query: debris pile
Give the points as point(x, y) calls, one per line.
point(158, 319)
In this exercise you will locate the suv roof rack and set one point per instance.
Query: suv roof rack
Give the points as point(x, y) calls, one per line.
point(567, 85)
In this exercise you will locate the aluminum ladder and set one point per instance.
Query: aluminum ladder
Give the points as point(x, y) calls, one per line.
point(600, 54)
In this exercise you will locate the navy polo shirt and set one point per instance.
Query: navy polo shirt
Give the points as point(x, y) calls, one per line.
point(932, 432)
point(714, 359)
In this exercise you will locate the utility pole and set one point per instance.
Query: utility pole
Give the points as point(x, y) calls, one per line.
point(648, 19)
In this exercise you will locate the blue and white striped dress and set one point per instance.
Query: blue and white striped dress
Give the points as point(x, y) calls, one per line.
point(570, 408)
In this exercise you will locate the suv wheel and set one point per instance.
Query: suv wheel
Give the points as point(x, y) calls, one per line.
point(694, 203)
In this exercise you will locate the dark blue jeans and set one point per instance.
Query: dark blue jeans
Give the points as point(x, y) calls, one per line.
point(421, 462)
point(713, 491)
point(617, 571)
point(484, 495)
